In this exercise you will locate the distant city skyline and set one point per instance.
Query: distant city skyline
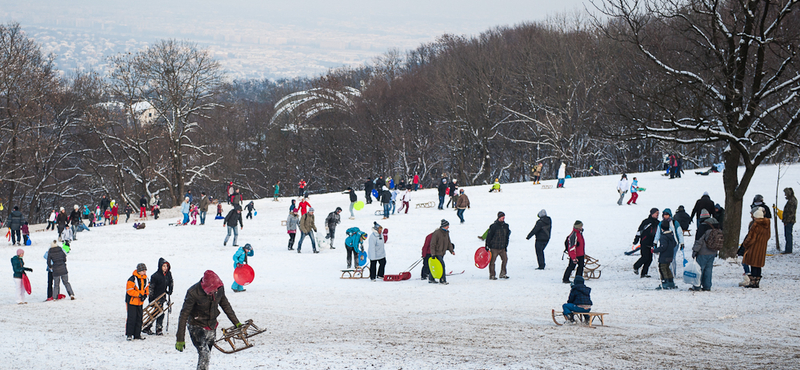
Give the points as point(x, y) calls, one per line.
point(263, 39)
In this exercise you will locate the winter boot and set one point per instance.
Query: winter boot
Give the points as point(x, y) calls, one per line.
point(664, 285)
point(746, 281)
point(672, 284)
point(754, 282)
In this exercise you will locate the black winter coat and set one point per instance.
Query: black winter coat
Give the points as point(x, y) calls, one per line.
point(666, 248)
point(161, 282)
point(684, 219)
point(232, 218)
point(646, 233)
point(704, 202)
point(201, 309)
point(74, 217)
point(368, 186)
point(353, 197)
point(62, 219)
point(541, 229)
point(57, 261)
point(142, 202)
point(498, 235)
point(386, 196)
point(15, 220)
point(442, 189)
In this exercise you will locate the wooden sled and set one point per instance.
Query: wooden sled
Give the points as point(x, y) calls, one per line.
point(379, 212)
point(687, 233)
point(547, 186)
point(591, 268)
point(237, 338)
point(154, 310)
point(283, 222)
point(584, 319)
point(356, 273)
point(426, 205)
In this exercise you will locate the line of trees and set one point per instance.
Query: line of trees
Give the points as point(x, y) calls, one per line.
point(713, 81)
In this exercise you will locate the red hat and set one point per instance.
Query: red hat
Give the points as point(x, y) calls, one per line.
point(210, 282)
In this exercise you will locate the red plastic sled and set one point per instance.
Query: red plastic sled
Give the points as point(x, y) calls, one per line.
point(482, 258)
point(399, 277)
point(244, 275)
point(27, 283)
point(385, 235)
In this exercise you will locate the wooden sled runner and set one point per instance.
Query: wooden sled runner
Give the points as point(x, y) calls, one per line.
point(356, 273)
point(584, 318)
point(154, 310)
point(237, 338)
point(426, 205)
point(591, 268)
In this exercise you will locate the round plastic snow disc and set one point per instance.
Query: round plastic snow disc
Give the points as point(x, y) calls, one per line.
point(482, 258)
point(362, 258)
point(244, 275)
point(359, 205)
point(435, 267)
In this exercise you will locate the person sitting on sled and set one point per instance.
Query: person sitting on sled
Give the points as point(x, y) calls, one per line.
point(579, 299)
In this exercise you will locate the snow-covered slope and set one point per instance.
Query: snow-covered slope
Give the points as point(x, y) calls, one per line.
point(316, 320)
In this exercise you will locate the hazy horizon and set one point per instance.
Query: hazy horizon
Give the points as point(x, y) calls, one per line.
point(263, 39)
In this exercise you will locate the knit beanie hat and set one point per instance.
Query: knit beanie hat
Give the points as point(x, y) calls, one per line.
point(310, 209)
point(376, 226)
point(653, 210)
point(704, 213)
point(578, 224)
point(500, 214)
point(210, 282)
point(444, 223)
point(542, 213)
point(20, 252)
point(758, 198)
point(680, 208)
point(141, 267)
point(758, 212)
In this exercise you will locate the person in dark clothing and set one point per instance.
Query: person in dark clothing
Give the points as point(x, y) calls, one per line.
point(426, 253)
point(579, 300)
point(704, 226)
point(331, 221)
point(497, 243)
point(576, 249)
point(368, 186)
point(61, 221)
point(440, 244)
point(719, 215)
point(758, 201)
point(645, 235)
point(57, 263)
point(199, 315)
point(704, 202)
point(14, 222)
point(683, 218)
point(665, 250)
point(380, 183)
point(233, 217)
point(142, 207)
point(128, 211)
point(789, 217)
point(452, 187)
point(542, 232)
point(160, 283)
point(353, 200)
point(442, 188)
point(75, 220)
point(250, 208)
point(386, 201)
point(105, 204)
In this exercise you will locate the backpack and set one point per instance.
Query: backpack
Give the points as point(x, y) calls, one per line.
point(714, 239)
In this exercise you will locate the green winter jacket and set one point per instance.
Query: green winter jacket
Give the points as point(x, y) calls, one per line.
point(18, 266)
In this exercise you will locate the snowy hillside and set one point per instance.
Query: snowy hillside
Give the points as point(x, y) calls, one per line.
point(317, 321)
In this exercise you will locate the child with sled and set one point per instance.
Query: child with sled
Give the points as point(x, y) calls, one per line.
point(579, 299)
point(240, 258)
point(665, 249)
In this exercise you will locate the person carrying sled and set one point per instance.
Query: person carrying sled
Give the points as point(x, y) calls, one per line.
point(646, 234)
point(542, 230)
point(353, 244)
point(137, 291)
point(233, 217)
point(634, 191)
point(331, 221)
point(665, 249)
point(439, 245)
point(199, 315)
point(160, 283)
point(18, 267)
point(240, 258)
point(376, 252)
point(579, 300)
point(497, 243)
point(576, 249)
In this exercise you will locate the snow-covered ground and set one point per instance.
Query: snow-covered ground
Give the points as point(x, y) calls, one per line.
point(316, 320)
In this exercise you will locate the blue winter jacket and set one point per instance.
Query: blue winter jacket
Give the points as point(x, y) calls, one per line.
point(240, 257)
point(666, 247)
point(185, 207)
point(580, 294)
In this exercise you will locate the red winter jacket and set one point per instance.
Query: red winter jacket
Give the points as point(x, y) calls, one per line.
point(576, 244)
point(426, 247)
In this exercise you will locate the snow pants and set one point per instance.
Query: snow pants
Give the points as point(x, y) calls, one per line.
point(540, 246)
point(203, 340)
point(368, 195)
point(186, 219)
point(634, 196)
point(20, 290)
point(665, 271)
point(133, 325)
point(142, 212)
point(504, 261)
point(571, 267)
point(235, 234)
point(426, 270)
point(379, 273)
point(57, 288)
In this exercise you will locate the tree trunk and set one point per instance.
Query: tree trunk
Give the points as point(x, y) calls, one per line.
point(733, 205)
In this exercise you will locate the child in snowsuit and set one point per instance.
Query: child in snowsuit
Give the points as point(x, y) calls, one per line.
point(579, 299)
point(240, 258)
point(665, 249)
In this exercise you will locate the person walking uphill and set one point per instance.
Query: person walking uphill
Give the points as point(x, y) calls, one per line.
point(240, 258)
point(497, 243)
point(634, 191)
point(18, 267)
point(14, 222)
point(755, 246)
point(462, 204)
point(160, 283)
point(57, 262)
point(376, 252)
point(204, 203)
point(576, 248)
point(646, 234)
point(199, 315)
point(440, 243)
point(234, 216)
point(142, 207)
point(331, 221)
point(541, 230)
point(789, 217)
point(307, 228)
point(137, 291)
point(622, 188)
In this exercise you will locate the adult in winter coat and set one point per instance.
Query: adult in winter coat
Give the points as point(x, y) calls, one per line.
point(646, 234)
point(292, 222)
point(368, 186)
point(634, 191)
point(426, 254)
point(703, 227)
point(452, 187)
point(758, 201)
point(128, 211)
point(541, 230)
point(353, 200)
point(415, 181)
point(75, 220)
point(204, 203)
point(142, 207)
point(234, 216)
point(57, 262)
point(301, 188)
point(562, 175)
point(719, 215)
point(789, 218)
point(665, 248)
point(307, 228)
point(386, 201)
point(576, 249)
point(705, 255)
point(160, 283)
point(18, 266)
point(440, 244)
point(497, 243)
point(537, 173)
point(755, 246)
point(199, 315)
point(579, 300)
point(240, 258)
point(376, 252)
point(331, 221)
point(136, 292)
point(442, 189)
point(236, 198)
point(61, 221)
point(304, 205)
point(676, 233)
point(683, 218)
point(185, 210)
point(14, 222)
point(704, 202)
point(622, 188)
point(462, 204)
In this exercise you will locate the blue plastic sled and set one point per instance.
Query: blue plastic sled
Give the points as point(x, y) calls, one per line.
point(375, 193)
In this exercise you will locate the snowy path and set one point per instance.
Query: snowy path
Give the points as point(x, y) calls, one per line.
point(317, 321)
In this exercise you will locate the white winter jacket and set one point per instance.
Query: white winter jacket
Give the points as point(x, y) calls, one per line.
point(623, 185)
point(376, 250)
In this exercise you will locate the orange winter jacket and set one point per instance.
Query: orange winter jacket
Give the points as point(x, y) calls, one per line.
point(137, 286)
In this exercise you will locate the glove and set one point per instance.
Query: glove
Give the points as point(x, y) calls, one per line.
point(142, 297)
point(29, 269)
point(681, 246)
point(694, 254)
point(238, 264)
point(239, 325)
point(454, 246)
point(487, 249)
point(180, 346)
